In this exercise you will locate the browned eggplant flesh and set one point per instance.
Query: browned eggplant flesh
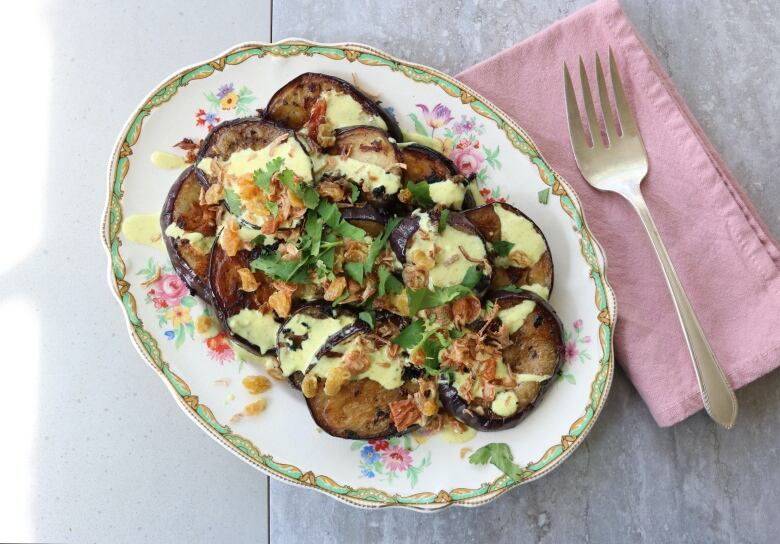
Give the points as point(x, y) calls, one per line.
point(502, 386)
point(188, 229)
point(358, 385)
point(314, 100)
point(519, 250)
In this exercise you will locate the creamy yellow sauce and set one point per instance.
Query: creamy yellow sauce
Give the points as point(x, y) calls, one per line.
point(448, 193)
point(521, 232)
point(318, 330)
point(200, 242)
point(360, 172)
point(540, 290)
point(504, 404)
point(143, 228)
point(344, 111)
point(451, 436)
point(479, 200)
point(389, 376)
point(450, 263)
point(421, 139)
point(515, 316)
point(170, 161)
point(246, 161)
point(257, 327)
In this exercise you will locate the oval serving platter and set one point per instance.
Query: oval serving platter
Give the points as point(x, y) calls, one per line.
point(203, 372)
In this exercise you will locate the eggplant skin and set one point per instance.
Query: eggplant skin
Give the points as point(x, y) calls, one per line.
point(366, 217)
point(373, 146)
point(361, 409)
point(542, 329)
point(321, 310)
point(227, 298)
point(183, 208)
point(236, 134)
point(484, 218)
point(291, 105)
point(426, 164)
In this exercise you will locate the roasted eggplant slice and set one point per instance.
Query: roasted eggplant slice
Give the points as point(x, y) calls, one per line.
point(365, 217)
point(520, 255)
point(531, 360)
point(426, 164)
point(362, 407)
point(246, 316)
point(189, 229)
point(305, 332)
point(235, 150)
point(419, 241)
point(315, 98)
point(445, 186)
point(367, 157)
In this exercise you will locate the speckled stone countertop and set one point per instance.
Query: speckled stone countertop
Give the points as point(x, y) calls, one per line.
point(630, 481)
point(84, 461)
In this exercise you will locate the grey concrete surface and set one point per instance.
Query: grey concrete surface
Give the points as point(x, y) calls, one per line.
point(110, 456)
point(630, 481)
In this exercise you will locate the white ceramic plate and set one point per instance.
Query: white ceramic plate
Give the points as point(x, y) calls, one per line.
point(203, 374)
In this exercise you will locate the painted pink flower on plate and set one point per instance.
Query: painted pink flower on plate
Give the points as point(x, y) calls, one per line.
point(436, 118)
point(169, 288)
point(396, 458)
point(468, 159)
point(571, 350)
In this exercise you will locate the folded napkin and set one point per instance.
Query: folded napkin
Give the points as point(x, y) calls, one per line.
point(725, 256)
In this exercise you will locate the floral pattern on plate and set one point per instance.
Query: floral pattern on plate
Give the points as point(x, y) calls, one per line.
point(460, 141)
point(175, 305)
point(388, 459)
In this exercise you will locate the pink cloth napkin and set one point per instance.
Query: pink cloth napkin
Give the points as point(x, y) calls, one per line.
point(723, 252)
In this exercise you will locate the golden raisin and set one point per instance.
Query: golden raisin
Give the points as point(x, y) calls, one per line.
point(256, 384)
point(254, 408)
point(309, 385)
point(335, 379)
point(335, 289)
point(430, 408)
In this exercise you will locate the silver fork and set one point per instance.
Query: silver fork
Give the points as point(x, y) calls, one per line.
point(619, 166)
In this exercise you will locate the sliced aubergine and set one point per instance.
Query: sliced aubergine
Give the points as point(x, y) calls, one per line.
point(426, 164)
point(188, 228)
point(528, 365)
point(235, 150)
point(316, 98)
point(305, 332)
point(246, 316)
point(441, 255)
point(366, 217)
point(446, 187)
point(367, 157)
point(364, 406)
point(520, 254)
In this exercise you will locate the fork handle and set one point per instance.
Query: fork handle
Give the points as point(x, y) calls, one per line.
point(718, 396)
